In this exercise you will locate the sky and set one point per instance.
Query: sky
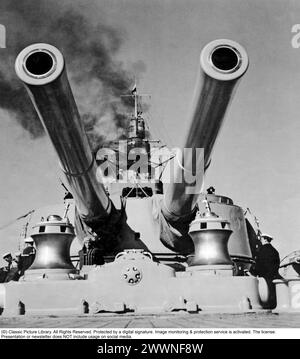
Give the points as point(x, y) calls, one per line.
point(256, 157)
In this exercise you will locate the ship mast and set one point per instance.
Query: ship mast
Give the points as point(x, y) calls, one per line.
point(135, 102)
point(137, 123)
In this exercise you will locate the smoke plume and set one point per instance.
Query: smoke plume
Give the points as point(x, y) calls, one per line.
point(97, 79)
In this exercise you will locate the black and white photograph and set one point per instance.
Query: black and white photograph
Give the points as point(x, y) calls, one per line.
point(150, 170)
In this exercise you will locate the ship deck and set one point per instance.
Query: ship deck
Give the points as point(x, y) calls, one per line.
point(172, 320)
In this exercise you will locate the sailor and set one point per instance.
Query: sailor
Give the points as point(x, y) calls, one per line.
point(9, 259)
point(267, 265)
point(29, 247)
point(4, 270)
point(29, 252)
point(267, 260)
point(11, 268)
point(90, 254)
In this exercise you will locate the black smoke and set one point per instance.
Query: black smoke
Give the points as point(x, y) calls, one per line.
point(98, 80)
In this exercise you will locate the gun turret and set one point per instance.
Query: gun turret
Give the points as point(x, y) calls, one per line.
point(41, 67)
point(222, 64)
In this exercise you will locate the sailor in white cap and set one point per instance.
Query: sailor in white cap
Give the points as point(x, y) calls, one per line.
point(11, 268)
point(9, 259)
point(28, 254)
point(7, 255)
point(266, 238)
point(267, 264)
point(267, 260)
point(29, 248)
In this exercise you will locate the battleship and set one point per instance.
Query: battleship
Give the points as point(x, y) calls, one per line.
point(172, 254)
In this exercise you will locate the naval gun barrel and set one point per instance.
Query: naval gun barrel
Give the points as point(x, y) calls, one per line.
point(41, 67)
point(222, 64)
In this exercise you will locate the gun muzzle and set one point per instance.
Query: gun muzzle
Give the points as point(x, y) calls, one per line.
point(41, 67)
point(222, 64)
